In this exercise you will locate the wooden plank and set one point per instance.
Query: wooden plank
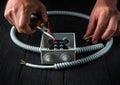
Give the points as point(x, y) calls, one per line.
point(104, 71)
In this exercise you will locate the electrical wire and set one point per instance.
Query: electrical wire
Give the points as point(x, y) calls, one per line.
point(46, 33)
point(76, 62)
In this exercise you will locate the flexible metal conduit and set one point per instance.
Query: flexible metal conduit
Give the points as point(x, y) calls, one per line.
point(38, 49)
point(78, 49)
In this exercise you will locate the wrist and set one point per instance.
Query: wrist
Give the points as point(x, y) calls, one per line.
point(111, 3)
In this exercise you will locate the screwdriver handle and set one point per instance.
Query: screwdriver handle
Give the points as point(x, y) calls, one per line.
point(35, 20)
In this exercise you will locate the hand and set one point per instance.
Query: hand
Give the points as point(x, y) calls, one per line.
point(18, 13)
point(104, 21)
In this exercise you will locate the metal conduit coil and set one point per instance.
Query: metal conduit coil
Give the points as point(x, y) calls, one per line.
point(101, 52)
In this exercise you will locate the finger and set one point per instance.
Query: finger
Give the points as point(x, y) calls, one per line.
point(91, 26)
point(23, 24)
point(100, 28)
point(43, 12)
point(111, 29)
point(27, 30)
point(118, 30)
point(10, 20)
point(8, 16)
point(44, 15)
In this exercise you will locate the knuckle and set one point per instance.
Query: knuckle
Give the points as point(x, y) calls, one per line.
point(110, 11)
point(7, 14)
point(107, 11)
point(112, 30)
point(26, 9)
point(26, 6)
point(14, 10)
point(101, 26)
point(10, 11)
point(20, 30)
point(22, 26)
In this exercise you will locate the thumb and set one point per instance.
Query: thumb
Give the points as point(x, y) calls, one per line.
point(24, 21)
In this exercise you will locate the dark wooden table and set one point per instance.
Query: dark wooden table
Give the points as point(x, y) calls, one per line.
point(103, 71)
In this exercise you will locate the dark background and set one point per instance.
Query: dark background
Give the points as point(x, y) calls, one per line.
point(103, 71)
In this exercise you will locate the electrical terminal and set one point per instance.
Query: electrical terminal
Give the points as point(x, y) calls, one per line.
point(88, 40)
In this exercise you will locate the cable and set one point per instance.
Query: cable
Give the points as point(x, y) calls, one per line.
point(78, 49)
point(38, 49)
point(89, 48)
point(76, 62)
point(86, 59)
point(21, 44)
point(46, 33)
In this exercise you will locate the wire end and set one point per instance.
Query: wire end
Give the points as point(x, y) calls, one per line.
point(22, 62)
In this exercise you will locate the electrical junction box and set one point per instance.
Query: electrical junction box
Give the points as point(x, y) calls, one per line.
point(63, 49)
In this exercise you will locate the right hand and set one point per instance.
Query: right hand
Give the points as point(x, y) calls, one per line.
point(18, 13)
point(104, 21)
